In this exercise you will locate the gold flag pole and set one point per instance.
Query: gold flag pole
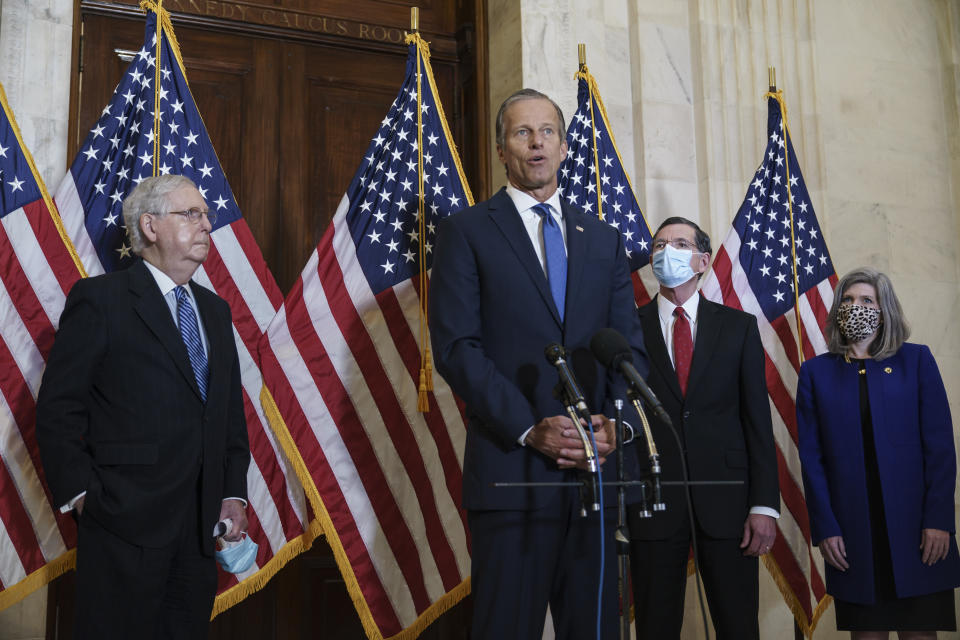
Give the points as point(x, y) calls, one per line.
point(426, 369)
point(778, 96)
point(156, 91)
point(585, 73)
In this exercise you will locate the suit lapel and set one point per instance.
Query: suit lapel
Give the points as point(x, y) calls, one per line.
point(708, 331)
point(577, 242)
point(507, 218)
point(657, 348)
point(155, 313)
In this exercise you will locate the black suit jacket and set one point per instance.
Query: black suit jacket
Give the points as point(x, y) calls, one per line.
point(492, 315)
point(724, 423)
point(119, 414)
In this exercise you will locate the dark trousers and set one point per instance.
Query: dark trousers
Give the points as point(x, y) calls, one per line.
point(524, 560)
point(128, 591)
point(730, 581)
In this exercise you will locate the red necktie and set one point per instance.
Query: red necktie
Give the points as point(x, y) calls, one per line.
point(682, 348)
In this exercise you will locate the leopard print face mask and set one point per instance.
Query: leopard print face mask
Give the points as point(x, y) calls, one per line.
point(857, 322)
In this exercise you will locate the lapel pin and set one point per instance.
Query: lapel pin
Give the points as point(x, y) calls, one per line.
point(579, 228)
point(887, 370)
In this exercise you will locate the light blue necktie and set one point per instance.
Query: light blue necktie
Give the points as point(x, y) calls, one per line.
point(190, 332)
point(556, 255)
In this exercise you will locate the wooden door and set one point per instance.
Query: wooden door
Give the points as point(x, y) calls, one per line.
point(291, 93)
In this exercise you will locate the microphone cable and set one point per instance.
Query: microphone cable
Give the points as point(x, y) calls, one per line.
point(603, 551)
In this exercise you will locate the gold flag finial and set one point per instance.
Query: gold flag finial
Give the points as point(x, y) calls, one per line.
point(772, 74)
point(414, 19)
point(582, 53)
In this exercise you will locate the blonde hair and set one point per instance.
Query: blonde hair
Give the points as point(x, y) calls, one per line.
point(893, 330)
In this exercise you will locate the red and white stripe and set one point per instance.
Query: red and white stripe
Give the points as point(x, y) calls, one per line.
point(236, 271)
point(36, 272)
point(727, 283)
point(343, 365)
point(645, 285)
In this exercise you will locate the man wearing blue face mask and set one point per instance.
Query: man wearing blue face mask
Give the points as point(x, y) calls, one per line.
point(707, 368)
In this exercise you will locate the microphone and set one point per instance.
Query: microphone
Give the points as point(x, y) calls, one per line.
point(557, 356)
point(576, 409)
point(612, 351)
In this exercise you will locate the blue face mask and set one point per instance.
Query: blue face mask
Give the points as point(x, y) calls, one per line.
point(672, 266)
point(237, 557)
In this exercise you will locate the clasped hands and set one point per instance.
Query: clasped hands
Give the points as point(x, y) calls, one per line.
point(557, 437)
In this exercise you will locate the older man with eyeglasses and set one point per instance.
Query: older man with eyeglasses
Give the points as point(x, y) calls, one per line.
point(141, 427)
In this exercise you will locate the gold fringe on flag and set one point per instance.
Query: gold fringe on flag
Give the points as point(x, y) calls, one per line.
point(67, 560)
point(807, 626)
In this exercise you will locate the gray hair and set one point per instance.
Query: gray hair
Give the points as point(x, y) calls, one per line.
point(150, 196)
point(893, 331)
point(527, 94)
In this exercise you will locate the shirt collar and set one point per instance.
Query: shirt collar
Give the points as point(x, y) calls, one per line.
point(164, 281)
point(524, 201)
point(665, 307)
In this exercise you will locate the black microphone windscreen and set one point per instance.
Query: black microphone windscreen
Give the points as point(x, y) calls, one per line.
point(610, 348)
point(554, 352)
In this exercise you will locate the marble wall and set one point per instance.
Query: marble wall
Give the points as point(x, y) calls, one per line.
point(873, 92)
point(36, 37)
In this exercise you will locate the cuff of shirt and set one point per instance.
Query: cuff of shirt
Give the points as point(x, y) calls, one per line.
point(67, 507)
point(523, 436)
point(240, 499)
point(766, 511)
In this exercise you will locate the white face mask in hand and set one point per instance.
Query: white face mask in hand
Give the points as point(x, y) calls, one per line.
point(672, 266)
point(237, 557)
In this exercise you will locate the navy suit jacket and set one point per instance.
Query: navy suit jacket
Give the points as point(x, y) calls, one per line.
point(119, 413)
point(913, 433)
point(723, 423)
point(492, 315)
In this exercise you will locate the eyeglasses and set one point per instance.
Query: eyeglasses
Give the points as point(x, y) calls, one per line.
point(679, 243)
point(194, 215)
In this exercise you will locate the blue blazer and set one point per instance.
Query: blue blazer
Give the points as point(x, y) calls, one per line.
point(492, 315)
point(913, 432)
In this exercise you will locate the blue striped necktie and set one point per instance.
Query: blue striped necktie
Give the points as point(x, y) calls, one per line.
point(556, 254)
point(190, 332)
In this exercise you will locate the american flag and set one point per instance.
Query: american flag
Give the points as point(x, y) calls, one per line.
point(343, 357)
point(117, 155)
point(37, 269)
point(591, 148)
point(753, 271)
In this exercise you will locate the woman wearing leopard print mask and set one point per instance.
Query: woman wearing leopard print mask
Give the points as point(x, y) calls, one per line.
point(879, 468)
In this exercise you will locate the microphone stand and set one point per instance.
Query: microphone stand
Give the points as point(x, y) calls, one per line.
point(622, 535)
point(589, 489)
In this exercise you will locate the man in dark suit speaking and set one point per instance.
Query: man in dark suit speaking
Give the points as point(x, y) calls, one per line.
point(510, 276)
point(707, 370)
point(141, 427)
